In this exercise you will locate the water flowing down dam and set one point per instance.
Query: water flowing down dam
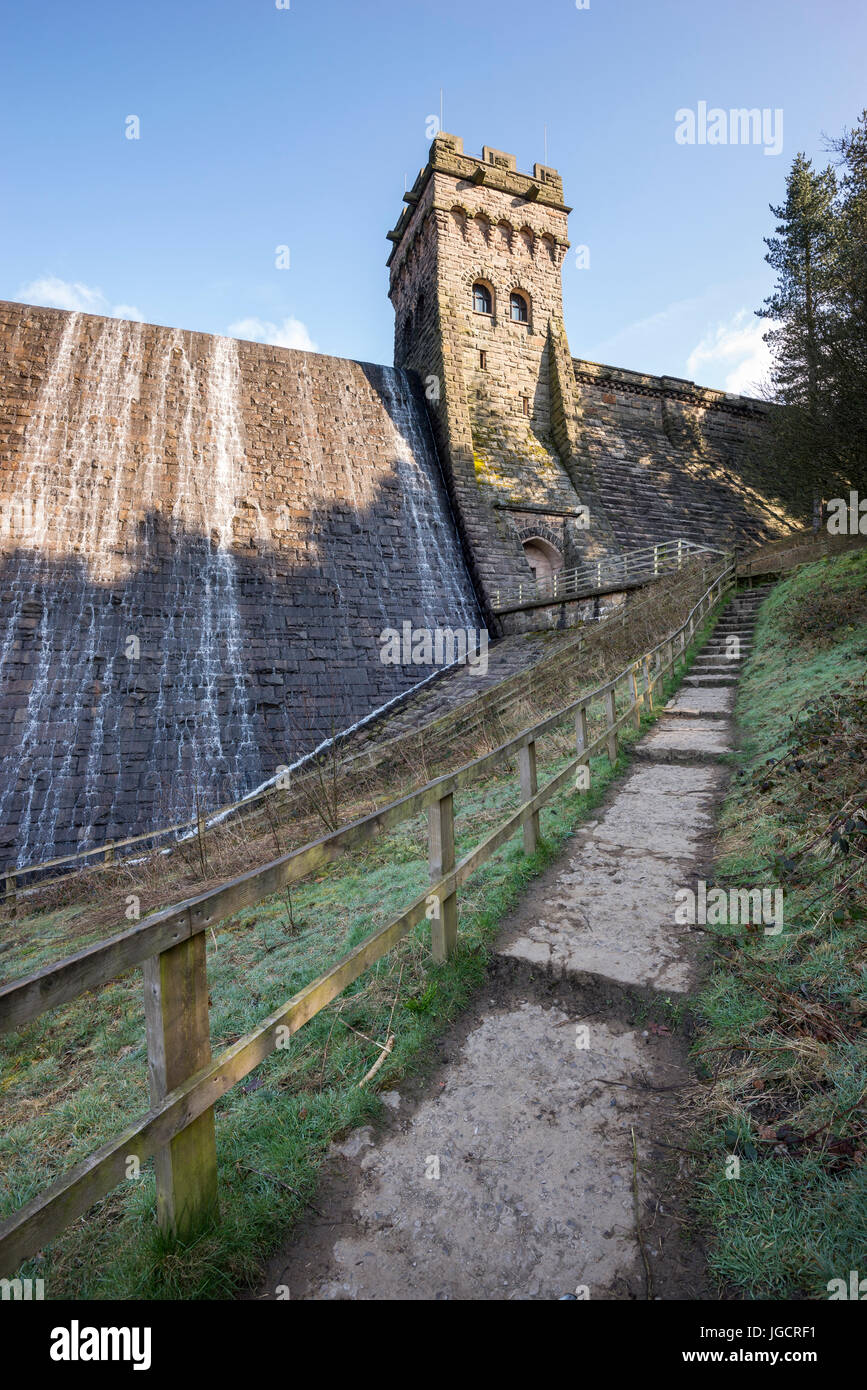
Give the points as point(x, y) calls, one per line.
point(202, 541)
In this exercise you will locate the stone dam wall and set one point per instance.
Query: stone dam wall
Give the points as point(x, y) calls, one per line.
point(669, 458)
point(201, 541)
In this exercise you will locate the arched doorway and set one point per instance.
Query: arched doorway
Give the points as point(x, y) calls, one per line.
point(543, 558)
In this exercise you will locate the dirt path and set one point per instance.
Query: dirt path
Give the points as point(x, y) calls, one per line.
point(509, 1171)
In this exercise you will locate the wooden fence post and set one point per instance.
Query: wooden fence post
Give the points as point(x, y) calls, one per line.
point(636, 712)
point(441, 861)
point(581, 736)
point(179, 1044)
point(529, 787)
point(611, 720)
point(648, 684)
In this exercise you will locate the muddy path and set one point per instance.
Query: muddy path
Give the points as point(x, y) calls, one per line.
point(540, 1153)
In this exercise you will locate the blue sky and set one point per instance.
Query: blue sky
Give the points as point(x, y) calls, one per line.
point(263, 127)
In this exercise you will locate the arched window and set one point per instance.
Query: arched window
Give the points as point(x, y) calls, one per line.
point(518, 308)
point(483, 300)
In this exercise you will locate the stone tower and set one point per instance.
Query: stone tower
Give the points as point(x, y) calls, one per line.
point(476, 268)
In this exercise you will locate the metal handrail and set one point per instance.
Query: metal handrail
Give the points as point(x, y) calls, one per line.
point(627, 567)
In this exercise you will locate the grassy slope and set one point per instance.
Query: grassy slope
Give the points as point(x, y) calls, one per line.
point(74, 1075)
point(784, 1016)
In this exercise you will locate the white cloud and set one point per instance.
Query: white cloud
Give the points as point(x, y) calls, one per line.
point(291, 333)
point(55, 293)
point(732, 355)
point(127, 311)
point(639, 342)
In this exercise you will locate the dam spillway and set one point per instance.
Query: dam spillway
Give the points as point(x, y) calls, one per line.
point(202, 540)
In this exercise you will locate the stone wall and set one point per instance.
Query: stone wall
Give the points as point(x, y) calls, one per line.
point(670, 459)
point(202, 541)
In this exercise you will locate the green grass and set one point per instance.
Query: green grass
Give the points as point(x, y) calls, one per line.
point(782, 1017)
point(73, 1076)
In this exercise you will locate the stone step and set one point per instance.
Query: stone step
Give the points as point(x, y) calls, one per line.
point(672, 712)
point(684, 756)
point(710, 680)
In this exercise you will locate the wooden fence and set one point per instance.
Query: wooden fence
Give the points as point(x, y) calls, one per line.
point(184, 1079)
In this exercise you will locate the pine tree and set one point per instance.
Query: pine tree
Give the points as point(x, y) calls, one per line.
point(804, 253)
point(819, 339)
point(848, 333)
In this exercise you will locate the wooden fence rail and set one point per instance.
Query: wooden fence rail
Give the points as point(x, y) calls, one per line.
point(185, 1081)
